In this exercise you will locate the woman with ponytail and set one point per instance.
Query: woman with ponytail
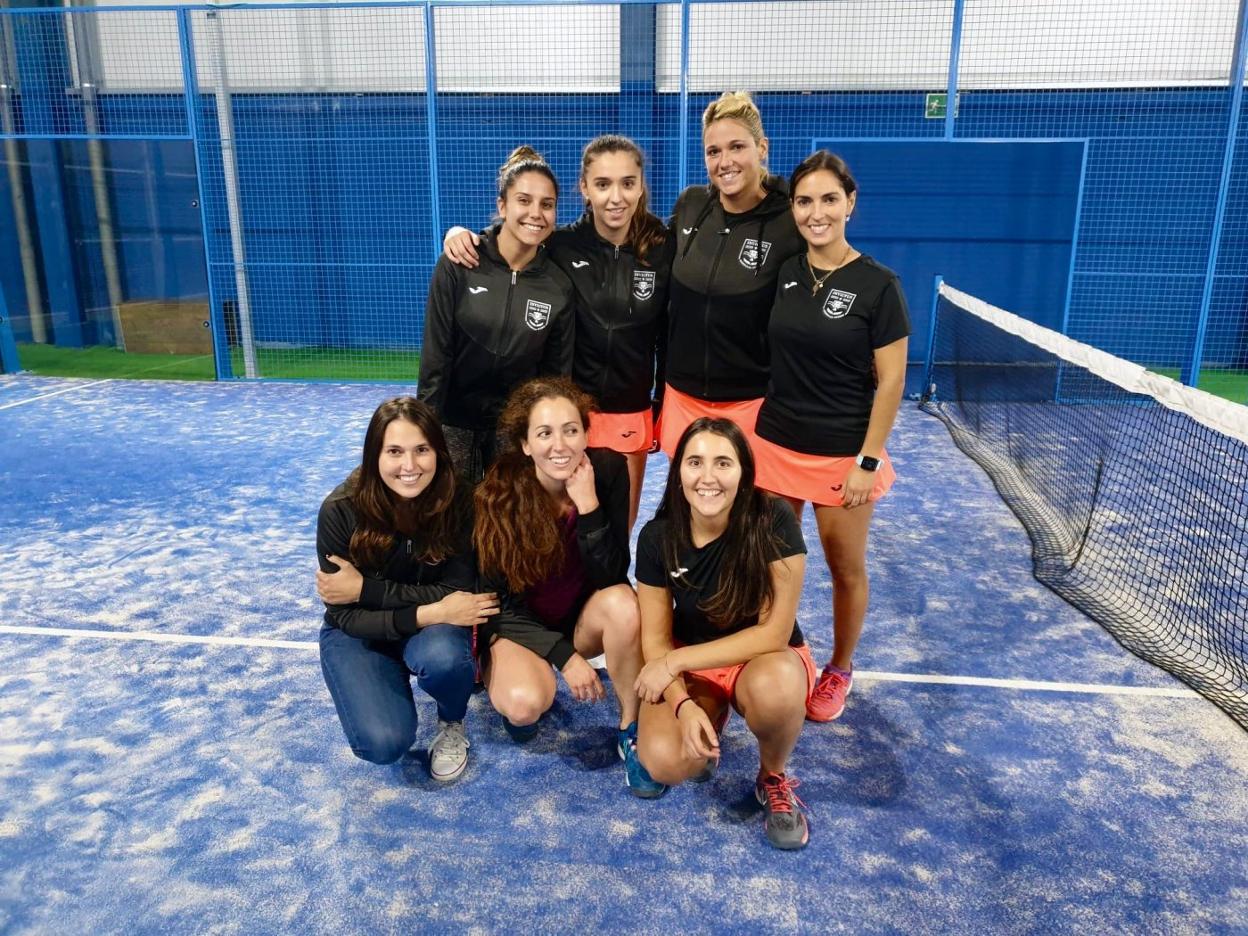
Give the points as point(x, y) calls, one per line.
point(618, 256)
point(510, 319)
point(732, 235)
point(399, 585)
point(719, 574)
point(552, 529)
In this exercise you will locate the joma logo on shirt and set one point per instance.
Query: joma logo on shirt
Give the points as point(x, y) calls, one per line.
point(753, 254)
point(838, 303)
point(643, 284)
point(536, 314)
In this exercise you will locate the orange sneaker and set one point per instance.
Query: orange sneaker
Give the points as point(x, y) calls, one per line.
point(828, 700)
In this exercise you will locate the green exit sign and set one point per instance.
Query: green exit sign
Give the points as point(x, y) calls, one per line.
point(937, 106)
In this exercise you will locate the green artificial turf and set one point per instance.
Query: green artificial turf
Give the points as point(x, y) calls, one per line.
point(282, 363)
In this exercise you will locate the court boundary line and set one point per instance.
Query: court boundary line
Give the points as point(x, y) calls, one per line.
point(53, 393)
point(989, 682)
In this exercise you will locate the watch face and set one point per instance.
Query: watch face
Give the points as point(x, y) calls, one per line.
point(867, 463)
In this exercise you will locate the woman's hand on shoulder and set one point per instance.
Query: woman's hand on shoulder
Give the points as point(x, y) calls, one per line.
point(582, 680)
point(465, 609)
point(580, 487)
point(460, 247)
point(342, 587)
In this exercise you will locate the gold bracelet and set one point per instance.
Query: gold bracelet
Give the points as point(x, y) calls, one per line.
point(667, 667)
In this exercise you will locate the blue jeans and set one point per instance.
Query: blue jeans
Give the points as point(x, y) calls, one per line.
point(370, 681)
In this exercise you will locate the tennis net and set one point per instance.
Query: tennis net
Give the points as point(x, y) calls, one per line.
point(1132, 487)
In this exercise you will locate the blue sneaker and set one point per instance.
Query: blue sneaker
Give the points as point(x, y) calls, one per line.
point(520, 733)
point(640, 783)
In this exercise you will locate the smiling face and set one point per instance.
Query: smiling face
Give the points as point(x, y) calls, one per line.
point(612, 184)
point(734, 161)
point(407, 462)
point(556, 439)
point(710, 474)
point(528, 209)
point(820, 207)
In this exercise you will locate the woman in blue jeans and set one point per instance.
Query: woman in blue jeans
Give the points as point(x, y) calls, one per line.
point(397, 578)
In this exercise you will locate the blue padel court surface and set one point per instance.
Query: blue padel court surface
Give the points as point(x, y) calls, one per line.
point(170, 760)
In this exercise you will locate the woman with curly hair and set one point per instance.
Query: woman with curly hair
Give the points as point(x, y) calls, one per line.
point(552, 529)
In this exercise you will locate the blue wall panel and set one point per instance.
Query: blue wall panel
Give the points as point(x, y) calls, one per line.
point(335, 195)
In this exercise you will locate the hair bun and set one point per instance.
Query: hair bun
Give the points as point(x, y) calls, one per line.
point(522, 153)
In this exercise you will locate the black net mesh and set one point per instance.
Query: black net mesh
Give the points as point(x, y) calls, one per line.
point(1137, 511)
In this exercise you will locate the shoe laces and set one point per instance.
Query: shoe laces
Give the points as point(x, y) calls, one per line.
point(452, 734)
point(780, 796)
point(829, 684)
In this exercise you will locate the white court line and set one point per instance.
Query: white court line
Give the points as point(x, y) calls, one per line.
point(44, 396)
point(859, 675)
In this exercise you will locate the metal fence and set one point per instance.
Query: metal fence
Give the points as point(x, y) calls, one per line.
point(279, 175)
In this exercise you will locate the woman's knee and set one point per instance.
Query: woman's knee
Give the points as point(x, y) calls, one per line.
point(664, 758)
point(621, 613)
point(441, 651)
point(380, 745)
point(772, 689)
point(521, 704)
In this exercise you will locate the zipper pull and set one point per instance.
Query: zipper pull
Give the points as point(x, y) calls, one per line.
point(409, 547)
point(617, 251)
point(513, 277)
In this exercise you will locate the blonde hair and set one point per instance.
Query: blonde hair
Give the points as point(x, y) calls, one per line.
point(738, 106)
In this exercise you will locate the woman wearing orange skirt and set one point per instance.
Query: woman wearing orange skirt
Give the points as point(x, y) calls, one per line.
point(838, 334)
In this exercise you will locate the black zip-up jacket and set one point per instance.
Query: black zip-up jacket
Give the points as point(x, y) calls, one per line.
point(723, 283)
point(621, 316)
point(602, 536)
point(390, 595)
point(490, 329)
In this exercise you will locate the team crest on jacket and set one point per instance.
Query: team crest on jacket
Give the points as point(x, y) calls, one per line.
point(536, 314)
point(838, 302)
point(643, 283)
point(754, 253)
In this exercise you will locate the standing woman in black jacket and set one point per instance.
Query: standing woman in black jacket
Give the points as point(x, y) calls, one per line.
point(619, 258)
point(732, 235)
point(493, 327)
point(552, 526)
point(397, 576)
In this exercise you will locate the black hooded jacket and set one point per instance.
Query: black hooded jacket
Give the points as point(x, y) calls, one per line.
point(723, 284)
point(490, 329)
point(621, 315)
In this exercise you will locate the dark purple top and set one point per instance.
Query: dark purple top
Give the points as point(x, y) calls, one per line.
point(554, 599)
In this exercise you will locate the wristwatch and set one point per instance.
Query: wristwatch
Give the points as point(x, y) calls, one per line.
point(867, 463)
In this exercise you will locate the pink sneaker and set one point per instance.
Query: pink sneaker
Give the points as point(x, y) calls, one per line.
point(828, 700)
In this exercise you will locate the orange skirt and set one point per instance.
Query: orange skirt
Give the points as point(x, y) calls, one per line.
point(622, 432)
point(680, 409)
point(819, 479)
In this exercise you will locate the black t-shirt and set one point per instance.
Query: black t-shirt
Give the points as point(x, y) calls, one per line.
point(822, 354)
point(699, 577)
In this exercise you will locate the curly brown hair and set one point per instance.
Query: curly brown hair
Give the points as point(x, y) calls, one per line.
point(431, 518)
point(516, 531)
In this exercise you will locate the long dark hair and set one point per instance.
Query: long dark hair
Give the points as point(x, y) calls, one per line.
point(745, 586)
point(432, 517)
point(645, 231)
point(516, 531)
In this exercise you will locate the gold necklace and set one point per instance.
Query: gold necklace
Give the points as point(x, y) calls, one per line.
point(820, 280)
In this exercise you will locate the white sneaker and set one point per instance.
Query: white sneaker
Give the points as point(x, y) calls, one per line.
point(448, 755)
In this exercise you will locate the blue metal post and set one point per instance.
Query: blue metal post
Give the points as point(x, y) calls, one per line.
point(929, 390)
point(955, 52)
point(9, 362)
point(194, 121)
point(682, 177)
point(637, 71)
point(43, 75)
point(1191, 373)
point(431, 124)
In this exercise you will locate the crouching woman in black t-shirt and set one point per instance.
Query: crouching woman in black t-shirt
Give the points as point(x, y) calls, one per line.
point(719, 573)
